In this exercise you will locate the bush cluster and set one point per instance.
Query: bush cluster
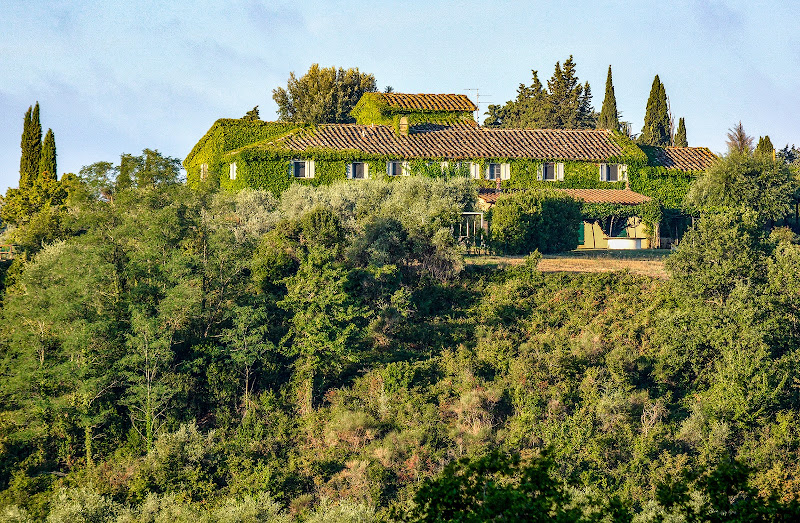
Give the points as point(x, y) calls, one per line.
point(547, 221)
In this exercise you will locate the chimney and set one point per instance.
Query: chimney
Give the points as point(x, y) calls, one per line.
point(403, 128)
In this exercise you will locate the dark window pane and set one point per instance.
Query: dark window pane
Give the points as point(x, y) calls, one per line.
point(613, 173)
point(549, 171)
point(358, 170)
point(299, 169)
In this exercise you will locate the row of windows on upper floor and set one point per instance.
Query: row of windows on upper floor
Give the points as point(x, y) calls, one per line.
point(550, 171)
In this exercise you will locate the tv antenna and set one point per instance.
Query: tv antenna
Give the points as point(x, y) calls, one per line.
point(477, 101)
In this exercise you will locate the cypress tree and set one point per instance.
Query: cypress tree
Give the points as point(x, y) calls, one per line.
point(764, 148)
point(680, 135)
point(656, 130)
point(31, 145)
point(47, 163)
point(36, 133)
point(609, 117)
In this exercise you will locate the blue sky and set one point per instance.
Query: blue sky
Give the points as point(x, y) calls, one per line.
point(116, 77)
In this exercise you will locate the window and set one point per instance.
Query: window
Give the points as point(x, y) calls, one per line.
point(203, 171)
point(299, 169)
point(358, 170)
point(396, 168)
point(303, 168)
point(232, 171)
point(613, 172)
point(498, 171)
point(551, 172)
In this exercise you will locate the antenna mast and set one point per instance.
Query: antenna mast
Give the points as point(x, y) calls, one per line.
point(477, 101)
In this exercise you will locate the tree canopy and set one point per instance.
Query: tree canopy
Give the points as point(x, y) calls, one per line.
point(739, 142)
point(657, 128)
point(765, 148)
point(322, 95)
point(609, 116)
point(680, 135)
point(564, 104)
point(738, 181)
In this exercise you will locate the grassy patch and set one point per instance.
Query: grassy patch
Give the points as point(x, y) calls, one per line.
point(646, 262)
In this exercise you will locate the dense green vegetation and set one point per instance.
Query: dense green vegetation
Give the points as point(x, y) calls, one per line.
point(657, 128)
point(322, 95)
point(528, 221)
point(609, 116)
point(180, 354)
point(564, 104)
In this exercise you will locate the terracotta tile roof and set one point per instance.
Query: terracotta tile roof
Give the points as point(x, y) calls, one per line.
point(683, 158)
point(459, 142)
point(429, 102)
point(618, 196)
point(623, 196)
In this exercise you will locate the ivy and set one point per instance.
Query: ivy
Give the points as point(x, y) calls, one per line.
point(262, 164)
point(228, 134)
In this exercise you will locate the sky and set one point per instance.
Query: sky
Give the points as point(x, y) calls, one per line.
point(115, 77)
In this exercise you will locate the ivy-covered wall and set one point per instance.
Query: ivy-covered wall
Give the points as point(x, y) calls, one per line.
point(225, 135)
point(265, 167)
point(270, 169)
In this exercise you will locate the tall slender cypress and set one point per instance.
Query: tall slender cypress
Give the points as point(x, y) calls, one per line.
point(680, 135)
point(609, 117)
point(36, 133)
point(47, 163)
point(31, 149)
point(656, 130)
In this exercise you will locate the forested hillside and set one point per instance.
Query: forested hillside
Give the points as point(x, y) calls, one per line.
point(175, 355)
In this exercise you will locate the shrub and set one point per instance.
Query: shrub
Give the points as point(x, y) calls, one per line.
point(82, 505)
point(187, 462)
point(523, 222)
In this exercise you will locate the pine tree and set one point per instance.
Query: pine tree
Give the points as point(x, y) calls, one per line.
point(31, 146)
point(609, 117)
point(47, 162)
point(569, 101)
point(656, 130)
point(764, 148)
point(680, 135)
point(564, 104)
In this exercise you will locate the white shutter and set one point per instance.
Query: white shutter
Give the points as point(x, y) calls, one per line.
point(349, 170)
point(560, 172)
point(505, 171)
point(366, 171)
point(233, 171)
point(474, 170)
point(603, 172)
point(310, 168)
point(388, 168)
point(486, 171)
point(540, 174)
point(623, 172)
point(406, 169)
